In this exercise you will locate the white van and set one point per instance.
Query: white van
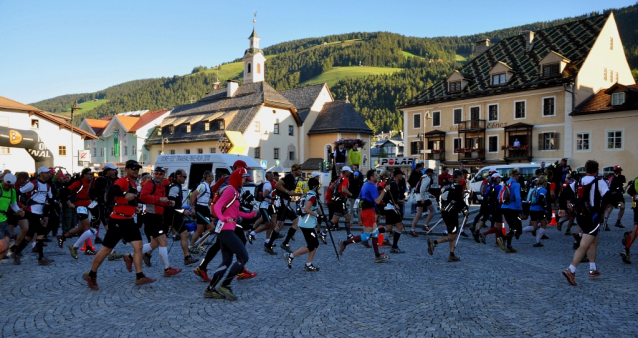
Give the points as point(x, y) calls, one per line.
point(219, 164)
point(527, 171)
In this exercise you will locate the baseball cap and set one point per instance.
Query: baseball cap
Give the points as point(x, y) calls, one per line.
point(346, 168)
point(497, 175)
point(356, 174)
point(132, 164)
point(62, 175)
point(52, 170)
point(617, 167)
point(43, 170)
point(109, 166)
point(543, 162)
point(239, 164)
point(9, 178)
point(159, 169)
point(295, 167)
point(315, 174)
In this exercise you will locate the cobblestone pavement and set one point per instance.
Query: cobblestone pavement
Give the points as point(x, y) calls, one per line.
point(487, 293)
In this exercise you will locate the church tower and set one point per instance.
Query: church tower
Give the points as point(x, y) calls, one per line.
point(254, 60)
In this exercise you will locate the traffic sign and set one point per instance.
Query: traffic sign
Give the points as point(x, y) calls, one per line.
point(264, 164)
point(85, 156)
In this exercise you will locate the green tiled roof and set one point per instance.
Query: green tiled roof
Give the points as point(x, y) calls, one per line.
point(572, 40)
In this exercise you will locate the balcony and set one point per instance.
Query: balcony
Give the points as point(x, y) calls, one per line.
point(471, 154)
point(471, 126)
point(436, 155)
point(521, 153)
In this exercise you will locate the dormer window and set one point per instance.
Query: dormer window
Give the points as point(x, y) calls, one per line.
point(617, 99)
point(498, 79)
point(188, 128)
point(206, 126)
point(159, 131)
point(455, 86)
point(551, 70)
point(171, 130)
point(221, 125)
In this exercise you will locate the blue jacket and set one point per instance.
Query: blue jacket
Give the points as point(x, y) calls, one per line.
point(515, 196)
point(541, 198)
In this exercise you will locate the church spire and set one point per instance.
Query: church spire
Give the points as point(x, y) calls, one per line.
point(254, 59)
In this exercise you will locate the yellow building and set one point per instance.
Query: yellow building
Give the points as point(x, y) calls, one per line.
point(512, 102)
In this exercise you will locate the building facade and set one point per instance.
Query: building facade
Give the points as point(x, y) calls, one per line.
point(512, 102)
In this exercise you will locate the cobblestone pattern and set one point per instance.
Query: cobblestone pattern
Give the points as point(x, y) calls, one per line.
point(488, 293)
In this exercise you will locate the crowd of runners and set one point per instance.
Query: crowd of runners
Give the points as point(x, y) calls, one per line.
point(221, 215)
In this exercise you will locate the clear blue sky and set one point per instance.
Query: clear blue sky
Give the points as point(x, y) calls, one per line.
point(51, 48)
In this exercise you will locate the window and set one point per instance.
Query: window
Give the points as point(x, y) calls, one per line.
point(475, 113)
point(436, 119)
point(582, 141)
point(213, 150)
point(455, 86)
point(35, 124)
point(159, 131)
point(94, 152)
point(458, 115)
point(291, 155)
point(257, 152)
point(617, 99)
point(548, 106)
point(275, 154)
point(206, 126)
point(171, 130)
point(257, 126)
point(221, 124)
point(498, 79)
point(62, 150)
point(187, 152)
point(188, 128)
point(200, 150)
point(457, 144)
point(519, 110)
point(125, 150)
point(416, 121)
point(112, 151)
point(102, 152)
point(415, 147)
point(611, 43)
point(492, 112)
point(604, 74)
point(5, 150)
point(276, 129)
point(548, 141)
point(172, 151)
point(258, 68)
point(291, 130)
point(551, 70)
point(492, 144)
point(249, 68)
point(614, 139)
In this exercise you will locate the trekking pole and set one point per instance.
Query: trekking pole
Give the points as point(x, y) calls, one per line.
point(459, 232)
point(329, 232)
point(178, 229)
point(432, 228)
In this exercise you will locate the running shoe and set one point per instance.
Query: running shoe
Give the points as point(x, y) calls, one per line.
point(476, 237)
point(619, 225)
point(193, 250)
point(483, 238)
point(322, 236)
point(342, 247)
point(544, 237)
point(571, 279)
point(227, 292)
point(396, 250)
point(594, 273)
point(413, 233)
point(16, 259)
point(144, 280)
point(44, 261)
point(464, 234)
point(188, 260)
point(245, 274)
point(625, 256)
point(128, 260)
point(92, 282)
point(147, 259)
point(286, 248)
point(61, 241)
point(113, 256)
point(213, 294)
point(310, 268)
point(74, 251)
point(350, 236)
point(269, 250)
point(381, 259)
point(251, 238)
point(202, 274)
point(538, 245)
point(90, 252)
point(568, 232)
point(98, 240)
point(426, 228)
point(607, 227)
point(431, 246)
point(288, 258)
point(501, 243)
point(510, 250)
point(171, 271)
point(559, 226)
point(386, 243)
point(453, 259)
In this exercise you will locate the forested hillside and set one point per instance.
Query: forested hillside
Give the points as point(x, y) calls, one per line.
point(422, 61)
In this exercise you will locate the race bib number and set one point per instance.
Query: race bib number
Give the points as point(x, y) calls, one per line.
point(219, 226)
point(92, 205)
point(82, 210)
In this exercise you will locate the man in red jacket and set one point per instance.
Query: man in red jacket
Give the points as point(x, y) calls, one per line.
point(80, 191)
point(154, 196)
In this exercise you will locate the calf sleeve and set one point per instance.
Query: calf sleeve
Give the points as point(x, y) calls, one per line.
point(163, 253)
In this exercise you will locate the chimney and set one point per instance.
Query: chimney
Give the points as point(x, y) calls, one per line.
point(231, 88)
point(529, 40)
point(482, 46)
point(216, 85)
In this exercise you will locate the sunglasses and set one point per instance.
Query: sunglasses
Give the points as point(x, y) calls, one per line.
point(185, 176)
point(158, 173)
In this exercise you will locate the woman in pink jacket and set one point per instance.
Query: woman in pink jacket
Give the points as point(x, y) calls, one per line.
point(227, 208)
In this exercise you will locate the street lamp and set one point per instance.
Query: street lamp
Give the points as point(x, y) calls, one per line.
point(164, 139)
point(73, 109)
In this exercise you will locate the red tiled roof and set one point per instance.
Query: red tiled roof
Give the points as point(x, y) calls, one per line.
point(601, 102)
point(127, 121)
point(98, 126)
point(147, 118)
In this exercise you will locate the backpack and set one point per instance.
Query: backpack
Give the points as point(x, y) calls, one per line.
point(505, 196)
point(33, 192)
point(259, 196)
point(336, 194)
point(631, 191)
point(583, 204)
point(610, 178)
point(532, 196)
point(485, 186)
point(216, 199)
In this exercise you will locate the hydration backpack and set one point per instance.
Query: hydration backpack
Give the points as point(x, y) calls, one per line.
point(505, 196)
point(259, 192)
point(583, 204)
point(336, 194)
point(532, 196)
point(216, 199)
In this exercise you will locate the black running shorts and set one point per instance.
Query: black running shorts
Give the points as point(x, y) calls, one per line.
point(121, 229)
point(154, 225)
point(589, 224)
point(285, 213)
point(203, 214)
point(340, 208)
point(310, 235)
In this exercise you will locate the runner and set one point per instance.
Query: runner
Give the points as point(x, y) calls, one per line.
point(8, 199)
point(200, 199)
point(484, 210)
point(616, 198)
point(511, 208)
point(307, 224)
point(450, 209)
point(538, 210)
point(494, 211)
point(22, 178)
point(39, 194)
point(266, 210)
point(630, 237)
point(227, 209)
point(285, 189)
point(340, 195)
point(79, 192)
point(393, 217)
point(174, 219)
point(370, 196)
point(424, 200)
point(99, 189)
point(122, 227)
point(154, 196)
point(591, 195)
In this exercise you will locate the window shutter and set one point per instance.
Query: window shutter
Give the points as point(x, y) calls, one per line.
point(540, 141)
point(556, 141)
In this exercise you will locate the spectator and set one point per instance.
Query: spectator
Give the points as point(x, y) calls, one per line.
point(354, 156)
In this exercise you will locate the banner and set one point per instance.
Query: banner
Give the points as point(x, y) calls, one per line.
point(116, 144)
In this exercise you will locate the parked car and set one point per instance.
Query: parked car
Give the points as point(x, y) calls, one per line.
point(526, 172)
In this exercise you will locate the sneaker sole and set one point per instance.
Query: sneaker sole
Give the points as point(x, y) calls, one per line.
point(85, 276)
point(213, 295)
point(569, 278)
